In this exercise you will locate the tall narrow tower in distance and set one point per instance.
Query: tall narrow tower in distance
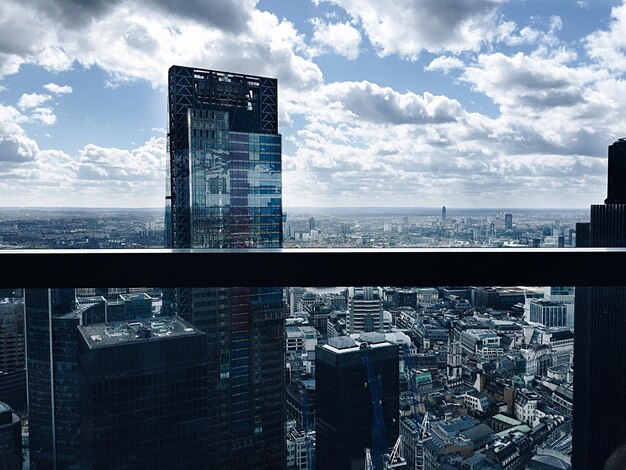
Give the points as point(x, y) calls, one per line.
point(599, 346)
point(224, 191)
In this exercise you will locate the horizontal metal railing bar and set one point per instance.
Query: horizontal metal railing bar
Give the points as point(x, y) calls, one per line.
point(313, 267)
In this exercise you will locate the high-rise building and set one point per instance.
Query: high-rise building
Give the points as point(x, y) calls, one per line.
point(344, 415)
point(365, 306)
point(52, 318)
point(129, 307)
point(12, 353)
point(10, 439)
point(311, 223)
point(599, 425)
point(224, 191)
point(548, 313)
point(564, 294)
point(143, 395)
point(444, 214)
point(11, 335)
point(508, 221)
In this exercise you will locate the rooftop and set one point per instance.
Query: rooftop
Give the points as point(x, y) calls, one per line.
point(109, 334)
point(344, 344)
point(507, 419)
point(128, 297)
point(300, 331)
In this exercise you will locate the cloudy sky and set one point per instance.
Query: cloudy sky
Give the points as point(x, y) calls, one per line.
point(467, 103)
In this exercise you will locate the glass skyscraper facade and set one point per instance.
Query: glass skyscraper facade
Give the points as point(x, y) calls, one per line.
point(224, 191)
point(52, 318)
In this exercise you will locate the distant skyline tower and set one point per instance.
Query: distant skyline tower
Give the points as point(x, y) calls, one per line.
point(311, 223)
point(224, 191)
point(444, 214)
point(508, 221)
point(599, 425)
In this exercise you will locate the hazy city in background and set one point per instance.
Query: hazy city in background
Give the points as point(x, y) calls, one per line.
point(304, 227)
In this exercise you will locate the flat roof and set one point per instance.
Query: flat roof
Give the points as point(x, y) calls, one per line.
point(344, 344)
point(507, 419)
point(151, 329)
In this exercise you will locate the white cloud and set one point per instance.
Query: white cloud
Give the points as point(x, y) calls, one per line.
point(95, 176)
point(444, 64)
point(341, 38)
point(132, 43)
point(15, 145)
point(607, 47)
point(528, 81)
point(407, 27)
point(32, 100)
point(369, 102)
point(58, 89)
point(44, 116)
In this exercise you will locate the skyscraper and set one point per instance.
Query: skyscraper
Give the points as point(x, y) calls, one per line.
point(444, 214)
point(343, 398)
point(365, 306)
point(508, 221)
point(599, 351)
point(549, 313)
point(52, 318)
point(10, 439)
point(224, 191)
point(143, 395)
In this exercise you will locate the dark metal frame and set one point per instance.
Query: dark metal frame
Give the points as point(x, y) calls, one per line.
point(313, 267)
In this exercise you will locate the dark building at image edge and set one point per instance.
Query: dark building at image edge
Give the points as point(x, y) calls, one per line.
point(600, 345)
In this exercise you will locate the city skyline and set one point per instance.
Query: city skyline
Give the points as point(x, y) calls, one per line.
point(522, 96)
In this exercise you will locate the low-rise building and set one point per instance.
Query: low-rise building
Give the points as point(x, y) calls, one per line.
point(477, 403)
point(484, 344)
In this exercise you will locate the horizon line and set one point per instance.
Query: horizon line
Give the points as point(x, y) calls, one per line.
point(299, 207)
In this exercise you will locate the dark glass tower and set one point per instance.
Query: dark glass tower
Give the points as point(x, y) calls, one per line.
point(344, 415)
point(600, 344)
point(10, 439)
point(143, 395)
point(52, 318)
point(224, 191)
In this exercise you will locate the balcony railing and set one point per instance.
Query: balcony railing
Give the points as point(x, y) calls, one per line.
point(314, 267)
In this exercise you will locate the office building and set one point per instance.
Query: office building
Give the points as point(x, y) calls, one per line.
point(483, 344)
point(548, 313)
point(365, 309)
point(143, 395)
point(12, 352)
point(11, 335)
point(224, 191)
point(52, 318)
point(508, 221)
point(564, 294)
point(444, 214)
point(344, 412)
point(129, 307)
point(10, 439)
point(599, 426)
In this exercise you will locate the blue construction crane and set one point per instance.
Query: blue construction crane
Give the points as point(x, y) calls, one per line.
point(379, 446)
